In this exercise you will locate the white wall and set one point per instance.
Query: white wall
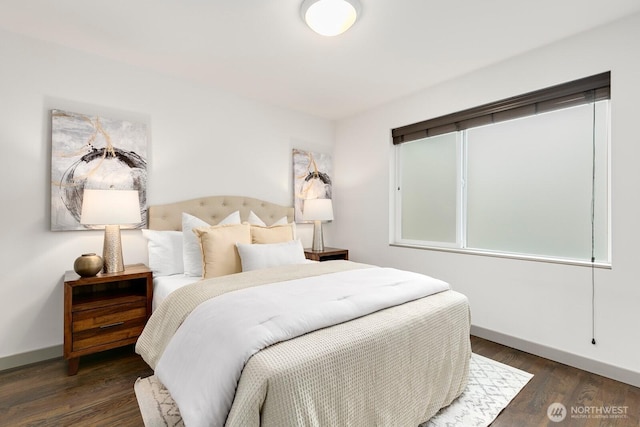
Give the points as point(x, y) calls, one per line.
point(203, 141)
point(546, 305)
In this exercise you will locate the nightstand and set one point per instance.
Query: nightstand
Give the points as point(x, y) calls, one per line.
point(105, 311)
point(327, 254)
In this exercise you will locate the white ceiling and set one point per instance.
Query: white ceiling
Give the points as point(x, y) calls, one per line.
point(261, 48)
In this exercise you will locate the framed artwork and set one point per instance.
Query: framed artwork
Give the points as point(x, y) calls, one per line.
point(97, 153)
point(311, 178)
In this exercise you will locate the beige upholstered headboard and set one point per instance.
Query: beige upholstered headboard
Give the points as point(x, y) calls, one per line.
point(214, 209)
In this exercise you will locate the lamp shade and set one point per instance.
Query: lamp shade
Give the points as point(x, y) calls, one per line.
point(110, 207)
point(330, 17)
point(317, 210)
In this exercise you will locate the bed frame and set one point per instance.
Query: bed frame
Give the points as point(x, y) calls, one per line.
point(214, 209)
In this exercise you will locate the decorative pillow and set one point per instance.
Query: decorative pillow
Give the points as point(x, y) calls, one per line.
point(254, 257)
point(273, 234)
point(165, 252)
point(191, 252)
point(219, 252)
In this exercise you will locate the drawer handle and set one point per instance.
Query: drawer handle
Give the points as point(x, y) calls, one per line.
point(111, 325)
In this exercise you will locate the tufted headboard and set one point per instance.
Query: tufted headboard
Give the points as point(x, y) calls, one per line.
point(214, 209)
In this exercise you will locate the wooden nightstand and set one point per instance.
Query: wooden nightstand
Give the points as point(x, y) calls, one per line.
point(327, 255)
point(105, 311)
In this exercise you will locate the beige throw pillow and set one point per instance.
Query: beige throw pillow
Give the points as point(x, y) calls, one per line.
point(219, 252)
point(273, 234)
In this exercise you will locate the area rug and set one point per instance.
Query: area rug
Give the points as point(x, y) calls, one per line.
point(492, 385)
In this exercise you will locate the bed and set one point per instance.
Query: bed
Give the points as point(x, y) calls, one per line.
point(391, 364)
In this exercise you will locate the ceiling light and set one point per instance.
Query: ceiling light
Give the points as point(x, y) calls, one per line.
point(330, 17)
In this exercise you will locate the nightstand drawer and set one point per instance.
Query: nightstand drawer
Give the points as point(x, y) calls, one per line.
point(105, 317)
point(109, 333)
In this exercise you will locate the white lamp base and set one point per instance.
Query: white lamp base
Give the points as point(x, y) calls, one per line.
point(318, 242)
point(112, 250)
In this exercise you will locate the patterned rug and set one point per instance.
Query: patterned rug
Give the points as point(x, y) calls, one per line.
point(492, 385)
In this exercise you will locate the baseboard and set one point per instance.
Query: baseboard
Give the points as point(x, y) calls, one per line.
point(29, 357)
point(614, 372)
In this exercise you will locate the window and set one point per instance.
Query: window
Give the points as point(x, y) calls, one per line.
point(524, 177)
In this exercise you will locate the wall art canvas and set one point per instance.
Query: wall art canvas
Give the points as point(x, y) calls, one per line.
point(312, 174)
point(97, 153)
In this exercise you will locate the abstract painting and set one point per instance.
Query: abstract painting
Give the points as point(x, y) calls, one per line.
point(311, 178)
point(97, 153)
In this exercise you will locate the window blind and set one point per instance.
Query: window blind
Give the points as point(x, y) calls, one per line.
point(576, 92)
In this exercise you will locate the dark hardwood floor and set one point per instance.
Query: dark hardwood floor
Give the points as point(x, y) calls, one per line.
point(102, 393)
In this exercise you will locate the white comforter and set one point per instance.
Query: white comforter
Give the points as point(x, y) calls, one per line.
point(202, 363)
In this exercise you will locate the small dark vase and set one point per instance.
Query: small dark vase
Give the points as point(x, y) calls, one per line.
point(88, 265)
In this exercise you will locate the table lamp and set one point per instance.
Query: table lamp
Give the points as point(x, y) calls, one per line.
point(111, 208)
point(317, 210)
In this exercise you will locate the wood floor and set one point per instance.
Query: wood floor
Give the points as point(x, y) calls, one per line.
point(102, 393)
point(554, 382)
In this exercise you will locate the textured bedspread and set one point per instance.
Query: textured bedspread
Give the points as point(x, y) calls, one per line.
point(397, 366)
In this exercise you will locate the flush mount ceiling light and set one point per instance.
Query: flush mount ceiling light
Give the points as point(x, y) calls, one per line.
point(330, 17)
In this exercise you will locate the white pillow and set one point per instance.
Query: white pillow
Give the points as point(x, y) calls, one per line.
point(281, 221)
point(232, 218)
point(191, 251)
point(255, 220)
point(258, 256)
point(165, 252)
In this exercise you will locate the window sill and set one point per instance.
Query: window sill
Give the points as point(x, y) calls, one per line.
point(522, 257)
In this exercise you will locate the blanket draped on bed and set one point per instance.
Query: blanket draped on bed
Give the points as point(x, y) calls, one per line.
point(202, 363)
point(167, 318)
